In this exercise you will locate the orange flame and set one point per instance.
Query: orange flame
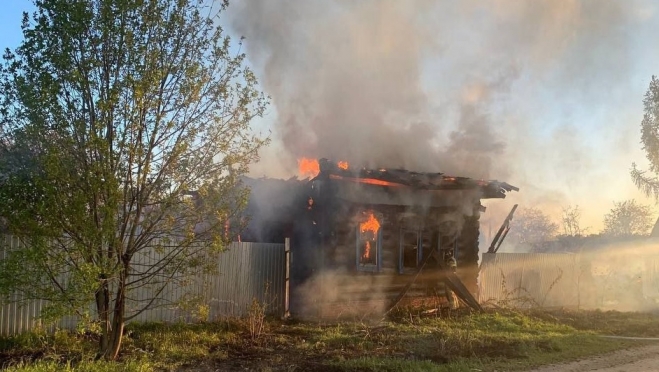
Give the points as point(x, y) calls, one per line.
point(308, 167)
point(371, 224)
point(367, 251)
point(369, 181)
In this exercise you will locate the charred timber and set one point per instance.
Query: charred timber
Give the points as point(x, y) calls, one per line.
point(400, 178)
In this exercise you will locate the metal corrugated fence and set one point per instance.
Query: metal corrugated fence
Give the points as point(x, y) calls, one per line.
point(530, 279)
point(651, 279)
point(246, 271)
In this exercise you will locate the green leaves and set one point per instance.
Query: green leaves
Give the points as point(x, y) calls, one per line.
point(126, 123)
point(648, 183)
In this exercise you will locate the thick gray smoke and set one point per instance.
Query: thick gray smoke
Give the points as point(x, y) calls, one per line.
point(487, 89)
point(425, 85)
point(346, 81)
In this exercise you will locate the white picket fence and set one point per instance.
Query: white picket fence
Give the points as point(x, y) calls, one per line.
point(246, 271)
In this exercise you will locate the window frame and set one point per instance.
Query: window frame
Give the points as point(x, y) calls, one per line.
point(401, 249)
point(377, 267)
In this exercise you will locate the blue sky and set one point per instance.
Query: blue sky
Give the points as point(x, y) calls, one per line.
point(560, 83)
point(10, 22)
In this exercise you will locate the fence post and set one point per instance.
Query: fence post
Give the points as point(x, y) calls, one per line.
point(287, 281)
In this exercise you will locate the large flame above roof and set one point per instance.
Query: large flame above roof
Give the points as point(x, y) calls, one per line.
point(309, 168)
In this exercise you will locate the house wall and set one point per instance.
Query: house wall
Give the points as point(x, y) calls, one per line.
point(467, 252)
point(326, 278)
point(337, 285)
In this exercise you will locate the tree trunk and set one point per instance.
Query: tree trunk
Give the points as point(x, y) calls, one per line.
point(112, 328)
point(118, 313)
point(117, 329)
point(103, 309)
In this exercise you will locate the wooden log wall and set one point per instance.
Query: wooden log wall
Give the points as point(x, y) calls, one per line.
point(467, 255)
point(363, 291)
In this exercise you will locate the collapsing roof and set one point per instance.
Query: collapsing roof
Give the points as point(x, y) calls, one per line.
point(400, 178)
point(275, 203)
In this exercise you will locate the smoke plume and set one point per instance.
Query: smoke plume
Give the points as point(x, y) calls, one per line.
point(346, 81)
point(481, 89)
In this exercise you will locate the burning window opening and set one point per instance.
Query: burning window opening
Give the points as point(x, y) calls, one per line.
point(369, 242)
point(367, 259)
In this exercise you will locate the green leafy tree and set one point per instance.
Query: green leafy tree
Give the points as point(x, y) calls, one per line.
point(126, 128)
point(628, 218)
point(647, 181)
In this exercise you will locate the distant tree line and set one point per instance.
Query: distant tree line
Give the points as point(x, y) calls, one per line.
point(627, 218)
point(533, 227)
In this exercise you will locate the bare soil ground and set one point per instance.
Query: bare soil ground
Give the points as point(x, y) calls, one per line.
point(641, 359)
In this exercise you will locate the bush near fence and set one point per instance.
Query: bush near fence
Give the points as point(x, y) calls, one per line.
point(246, 272)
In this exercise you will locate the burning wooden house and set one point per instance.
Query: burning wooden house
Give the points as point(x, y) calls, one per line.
point(359, 237)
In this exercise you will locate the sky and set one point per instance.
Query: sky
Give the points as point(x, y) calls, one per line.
point(10, 22)
point(545, 95)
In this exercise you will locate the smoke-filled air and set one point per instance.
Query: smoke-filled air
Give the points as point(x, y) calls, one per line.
point(546, 95)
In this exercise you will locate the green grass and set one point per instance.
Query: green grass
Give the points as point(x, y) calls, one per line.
point(91, 366)
point(606, 322)
point(486, 342)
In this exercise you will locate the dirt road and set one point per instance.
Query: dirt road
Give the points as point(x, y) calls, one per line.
point(640, 359)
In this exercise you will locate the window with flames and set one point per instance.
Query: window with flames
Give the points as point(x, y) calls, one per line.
point(369, 243)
